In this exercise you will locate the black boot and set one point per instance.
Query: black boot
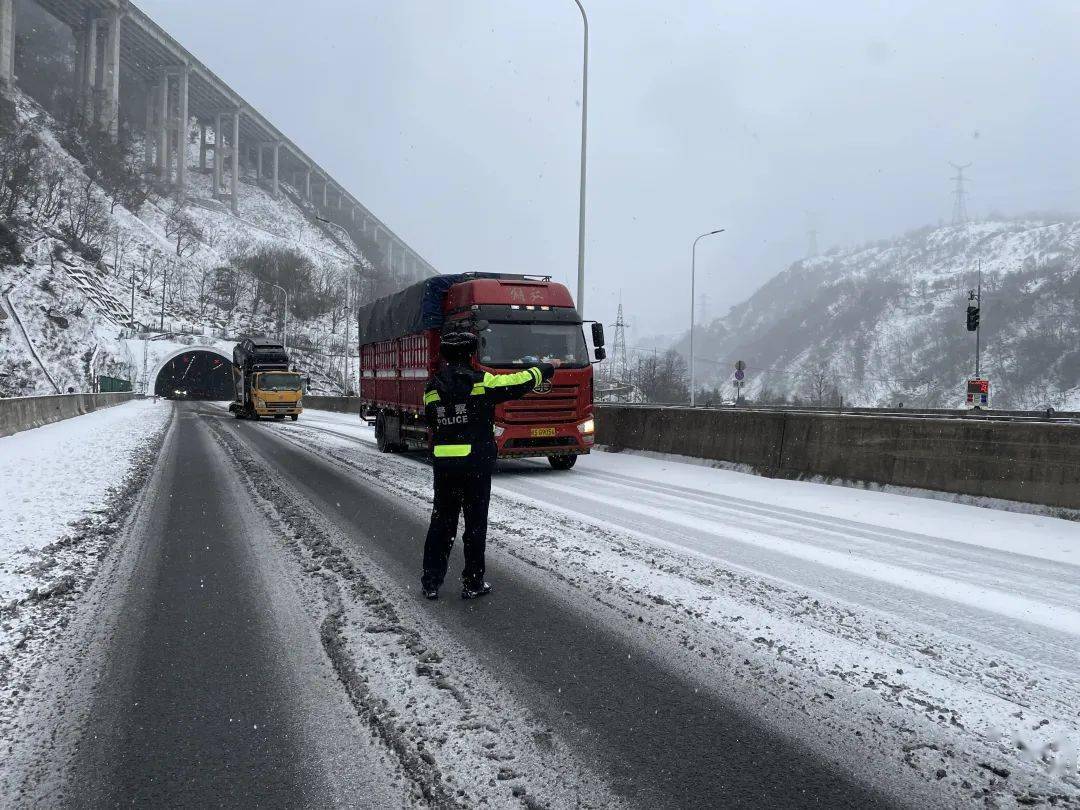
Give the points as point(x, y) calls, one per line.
point(475, 591)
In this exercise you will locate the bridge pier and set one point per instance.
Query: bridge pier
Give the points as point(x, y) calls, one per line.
point(202, 146)
point(182, 123)
point(87, 70)
point(275, 186)
point(217, 156)
point(148, 132)
point(7, 42)
point(235, 180)
point(109, 111)
point(161, 130)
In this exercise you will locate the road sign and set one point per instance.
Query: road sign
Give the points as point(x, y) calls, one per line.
point(978, 393)
point(740, 370)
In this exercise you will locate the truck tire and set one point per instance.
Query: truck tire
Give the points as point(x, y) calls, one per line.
point(562, 462)
point(381, 440)
point(295, 416)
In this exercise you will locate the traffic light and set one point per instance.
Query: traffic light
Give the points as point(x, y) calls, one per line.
point(972, 318)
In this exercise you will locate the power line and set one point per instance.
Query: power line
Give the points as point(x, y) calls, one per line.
point(959, 211)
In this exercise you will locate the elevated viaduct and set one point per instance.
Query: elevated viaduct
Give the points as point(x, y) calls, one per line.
point(121, 54)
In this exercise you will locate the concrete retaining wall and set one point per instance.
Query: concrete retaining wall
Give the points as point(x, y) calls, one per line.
point(22, 413)
point(1027, 462)
point(339, 404)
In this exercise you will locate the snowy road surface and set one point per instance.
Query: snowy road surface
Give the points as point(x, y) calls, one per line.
point(966, 616)
point(662, 634)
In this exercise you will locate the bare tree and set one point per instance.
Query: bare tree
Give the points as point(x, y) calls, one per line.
point(204, 289)
point(85, 224)
point(121, 240)
point(20, 164)
point(150, 265)
point(182, 230)
point(212, 236)
point(819, 383)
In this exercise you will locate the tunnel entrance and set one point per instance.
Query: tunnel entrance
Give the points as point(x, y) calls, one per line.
point(195, 374)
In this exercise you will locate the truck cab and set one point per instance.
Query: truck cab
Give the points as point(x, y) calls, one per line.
point(277, 394)
point(522, 321)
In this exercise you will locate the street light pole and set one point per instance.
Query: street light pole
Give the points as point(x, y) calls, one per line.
point(693, 273)
point(584, 132)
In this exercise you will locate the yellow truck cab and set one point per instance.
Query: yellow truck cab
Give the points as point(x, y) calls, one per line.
point(277, 394)
point(263, 383)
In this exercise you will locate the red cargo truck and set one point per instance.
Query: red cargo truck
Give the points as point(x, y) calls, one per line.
point(519, 320)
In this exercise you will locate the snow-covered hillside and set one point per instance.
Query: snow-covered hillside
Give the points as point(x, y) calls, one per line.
point(885, 323)
point(168, 273)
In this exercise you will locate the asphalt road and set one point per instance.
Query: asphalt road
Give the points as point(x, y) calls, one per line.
point(660, 741)
point(215, 693)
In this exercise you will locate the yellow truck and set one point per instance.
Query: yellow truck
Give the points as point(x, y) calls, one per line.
point(263, 383)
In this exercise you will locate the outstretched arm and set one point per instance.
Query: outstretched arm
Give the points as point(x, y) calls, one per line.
point(502, 387)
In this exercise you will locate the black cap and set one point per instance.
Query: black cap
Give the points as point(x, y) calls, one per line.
point(458, 345)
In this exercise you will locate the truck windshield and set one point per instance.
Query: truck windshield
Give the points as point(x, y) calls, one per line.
point(269, 381)
point(520, 344)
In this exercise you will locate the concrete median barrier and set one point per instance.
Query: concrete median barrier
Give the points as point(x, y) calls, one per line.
point(23, 413)
point(1035, 463)
point(339, 404)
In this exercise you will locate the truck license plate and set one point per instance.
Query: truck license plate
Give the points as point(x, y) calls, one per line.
point(540, 432)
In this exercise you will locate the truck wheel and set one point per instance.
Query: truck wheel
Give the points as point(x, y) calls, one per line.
point(238, 414)
point(380, 434)
point(295, 416)
point(562, 462)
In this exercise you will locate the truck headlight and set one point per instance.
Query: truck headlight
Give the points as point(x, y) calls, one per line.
point(300, 403)
point(258, 403)
point(588, 426)
point(499, 430)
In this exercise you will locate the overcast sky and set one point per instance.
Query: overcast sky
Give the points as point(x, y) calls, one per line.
point(457, 122)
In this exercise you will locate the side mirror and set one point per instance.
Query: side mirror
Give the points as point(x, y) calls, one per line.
point(600, 352)
point(598, 334)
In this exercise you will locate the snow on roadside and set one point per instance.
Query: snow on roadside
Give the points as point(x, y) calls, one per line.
point(63, 488)
point(959, 713)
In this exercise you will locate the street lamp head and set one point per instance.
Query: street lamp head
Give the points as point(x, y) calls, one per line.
point(719, 230)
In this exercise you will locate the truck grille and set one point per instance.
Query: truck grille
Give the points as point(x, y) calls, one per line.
point(545, 441)
point(280, 406)
point(558, 405)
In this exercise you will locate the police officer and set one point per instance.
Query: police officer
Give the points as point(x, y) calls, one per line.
point(459, 403)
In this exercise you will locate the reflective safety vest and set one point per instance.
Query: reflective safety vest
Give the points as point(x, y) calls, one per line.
point(459, 404)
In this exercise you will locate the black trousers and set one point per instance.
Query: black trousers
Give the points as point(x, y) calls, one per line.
point(457, 491)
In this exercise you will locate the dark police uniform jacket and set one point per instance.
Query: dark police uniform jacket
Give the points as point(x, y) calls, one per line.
point(459, 404)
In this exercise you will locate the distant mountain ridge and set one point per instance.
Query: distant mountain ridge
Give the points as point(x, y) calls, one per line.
point(885, 323)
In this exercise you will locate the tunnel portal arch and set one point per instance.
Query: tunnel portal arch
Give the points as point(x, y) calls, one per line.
point(201, 372)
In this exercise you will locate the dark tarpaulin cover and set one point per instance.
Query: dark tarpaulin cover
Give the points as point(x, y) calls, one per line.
point(414, 309)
